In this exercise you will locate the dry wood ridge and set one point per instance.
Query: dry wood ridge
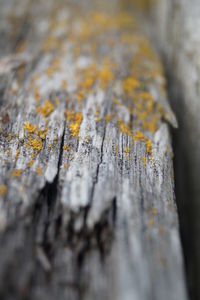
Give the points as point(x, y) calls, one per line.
point(175, 28)
point(87, 188)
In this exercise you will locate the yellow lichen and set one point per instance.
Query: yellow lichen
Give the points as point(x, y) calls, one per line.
point(80, 96)
point(105, 76)
point(108, 117)
point(154, 211)
point(64, 84)
point(57, 101)
point(49, 71)
point(139, 136)
point(39, 170)
point(29, 127)
point(127, 150)
point(97, 116)
point(42, 133)
point(3, 190)
point(115, 149)
point(30, 163)
point(16, 172)
point(130, 84)
point(17, 154)
point(116, 101)
point(36, 144)
point(66, 147)
point(36, 94)
point(75, 119)
point(149, 146)
point(74, 128)
point(124, 127)
point(46, 109)
point(151, 222)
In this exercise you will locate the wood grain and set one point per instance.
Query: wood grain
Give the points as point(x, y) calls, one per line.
point(88, 208)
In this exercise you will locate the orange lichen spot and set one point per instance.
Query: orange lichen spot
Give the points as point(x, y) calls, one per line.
point(130, 84)
point(97, 117)
point(46, 109)
point(30, 163)
point(146, 96)
point(151, 222)
point(127, 38)
point(36, 94)
point(124, 128)
point(29, 127)
point(3, 190)
point(16, 172)
point(74, 128)
point(17, 154)
point(88, 78)
point(166, 149)
point(139, 136)
point(71, 115)
point(75, 119)
point(36, 144)
point(116, 149)
point(108, 117)
point(57, 101)
point(39, 171)
point(144, 4)
point(154, 211)
point(49, 71)
point(150, 126)
point(80, 96)
point(64, 84)
point(105, 76)
point(144, 160)
point(36, 77)
point(56, 62)
point(116, 101)
point(148, 146)
point(66, 147)
point(101, 19)
point(127, 150)
point(125, 20)
point(88, 82)
point(42, 133)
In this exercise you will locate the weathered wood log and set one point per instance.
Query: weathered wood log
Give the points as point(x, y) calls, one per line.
point(175, 28)
point(87, 189)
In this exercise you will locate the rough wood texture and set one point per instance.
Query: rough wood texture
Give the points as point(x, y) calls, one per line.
point(177, 34)
point(87, 187)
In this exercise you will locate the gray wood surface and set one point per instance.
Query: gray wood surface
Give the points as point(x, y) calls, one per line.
point(176, 31)
point(87, 188)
